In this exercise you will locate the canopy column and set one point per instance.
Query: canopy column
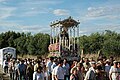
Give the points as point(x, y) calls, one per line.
point(74, 39)
point(78, 41)
point(50, 35)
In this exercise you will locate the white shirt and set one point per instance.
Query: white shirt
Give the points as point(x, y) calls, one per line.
point(5, 63)
point(90, 74)
point(38, 76)
point(53, 66)
point(53, 73)
point(114, 73)
point(59, 72)
point(46, 74)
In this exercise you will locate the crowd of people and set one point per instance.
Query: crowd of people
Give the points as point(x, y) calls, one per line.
point(54, 68)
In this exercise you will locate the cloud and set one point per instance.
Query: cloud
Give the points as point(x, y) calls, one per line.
point(60, 12)
point(13, 26)
point(103, 11)
point(34, 29)
point(6, 12)
point(30, 8)
point(113, 27)
point(34, 12)
point(2, 0)
point(99, 28)
point(40, 2)
point(97, 13)
point(113, 17)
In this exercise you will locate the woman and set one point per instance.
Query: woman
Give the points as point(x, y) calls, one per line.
point(113, 73)
point(46, 73)
point(74, 75)
point(100, 74)
point(30, 71)
point(38, 74)
point(118, 65)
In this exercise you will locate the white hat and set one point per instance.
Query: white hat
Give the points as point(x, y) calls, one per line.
point(93, 62)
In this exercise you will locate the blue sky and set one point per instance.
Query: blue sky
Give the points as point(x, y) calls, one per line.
point(36, 15)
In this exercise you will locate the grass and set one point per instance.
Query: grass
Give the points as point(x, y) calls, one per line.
point(27, 56)
point(95, 56)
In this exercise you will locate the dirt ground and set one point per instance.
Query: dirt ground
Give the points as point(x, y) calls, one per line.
point(3, 76)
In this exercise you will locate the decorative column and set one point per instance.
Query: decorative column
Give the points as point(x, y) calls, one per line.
point(70, 35)
point(74, 37)
point(78, 44)
point(51, 35)
point(60, 40)
point(56, 34)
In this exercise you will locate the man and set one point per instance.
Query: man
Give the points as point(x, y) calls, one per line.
point(86, 64)
point(118, 65)
point(107, 68)
point(5, 66)
point(48, 65)
point(113, 73)
point(79, 68)
point(54, 64)
point(59, 71)
point(66, 68)
point(37, 65)
point(90, 75)
point(22, 71)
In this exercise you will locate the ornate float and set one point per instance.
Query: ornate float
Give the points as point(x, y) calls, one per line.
point(64, 38)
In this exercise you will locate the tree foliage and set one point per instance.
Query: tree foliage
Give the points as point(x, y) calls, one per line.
point(108, 42)
point(25, 43)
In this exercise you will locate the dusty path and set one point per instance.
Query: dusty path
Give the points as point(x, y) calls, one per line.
point(3, 76)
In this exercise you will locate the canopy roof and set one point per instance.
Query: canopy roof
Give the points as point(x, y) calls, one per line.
point(66, 23)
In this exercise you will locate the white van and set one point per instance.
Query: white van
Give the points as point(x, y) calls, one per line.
point(7, 54)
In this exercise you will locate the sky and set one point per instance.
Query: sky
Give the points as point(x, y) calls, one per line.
point(36, 15)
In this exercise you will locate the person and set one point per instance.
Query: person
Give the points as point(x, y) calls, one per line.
point(118, 65)
point(54, 64)
point(38, 74)
point(59, 71)
point(111, 60)
point(113, 73)
point(66, 68)
point(37, 65)
point(46, 74)
point(80, 70)
point(22, 71)
point(74, 75)
point(53, 74)
point(99, 73)
point(48, 65)
point(30, 71)
point(10, 68)
point(16, 69)
point(107, 68)
point(91, 73)
point(86, 64)
point(5, 66)
point(74, 64)
point(100, 61)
